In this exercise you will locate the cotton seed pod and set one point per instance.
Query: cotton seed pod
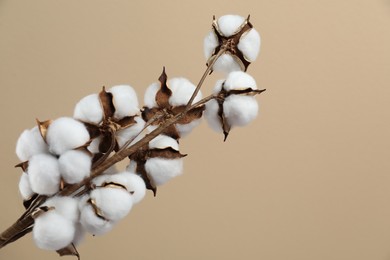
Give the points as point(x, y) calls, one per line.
point(125, 101)
point(75, 166)
point(113, 201)
point(25, 187)
point(44, 174)
point(52, 231)
point(65, 206)
point(65, 134)
point(134, 184)
point(89, 110)
point(30, 143)
point(92, 223)
point(124, 135)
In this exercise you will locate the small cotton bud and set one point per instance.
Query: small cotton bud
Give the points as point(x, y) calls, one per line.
point(124, 135)
point(89, 109)
point(161, 170)
point(150, 95)
point(65, 206)
point(30, 143)
point(65, 134)
point(239, 80)
point(93, 223)
point(25, 187)
point(240, 110)
point(75, 166)
point(182, 90)
point(163, 141)
point(52, 231)
point(115, 203)
point(134, 184)
point(125, 101)
point(44, 174)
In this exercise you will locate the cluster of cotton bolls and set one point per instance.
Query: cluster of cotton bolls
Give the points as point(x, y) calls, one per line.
point(59, 153)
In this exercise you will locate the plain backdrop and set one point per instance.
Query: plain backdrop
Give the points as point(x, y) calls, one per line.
point(308, 180)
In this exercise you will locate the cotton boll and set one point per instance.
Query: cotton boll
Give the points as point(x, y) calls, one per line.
point(25, 187)
point(124, 135)
point(240, 110)
point(44, 174)
point(52, 231)
point(125, 101)
point(115, 203)
point(211, 115)
point(226, 63)
point(75, 166)
point(30, 143)
point(163, 141)
point(161, 170)
point(249, 45)
point(239, 80)
point(185, 129)
point(150, 95)
point(182, 90)
point(229, 24)
point(89, 109)
point(65, 134)
point(92, 223)
point(210, 42)
point(134, 184)
point(65, 206)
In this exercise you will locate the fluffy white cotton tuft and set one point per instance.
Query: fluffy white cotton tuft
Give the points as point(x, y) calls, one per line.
point(115, 203)
point(229, 24)
point(93, 147)
point(131, 167)
point(89, 109)
point(226, 63)
point(44, 174)
point(249, 45)
point(210, 42)
point(163, 141)
point(161, 170)
point(122, 136)
point(79, 234)
point(150, 95)
point(75, 166)
point(65, 134)
point(30, 143)
point(125, 101)
point(211, 115)
point(25, 187)
point(240, 110)
point(65, 206)
point(92, 223)
point(52, 231)
point(239, 80)
point(182, 90)
point(134, 184)
point(185, 129)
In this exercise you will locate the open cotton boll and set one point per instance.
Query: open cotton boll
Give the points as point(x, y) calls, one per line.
point(211, 115)
point(239, 80)
point(185, 129)
point(249, 45)
point(44, 174)
point(229, 24)
point(182, 90)
point(75, 166)
point(30, 143)
point(89, 109)
point(25, 187)
point(163, 141)
point(240, 110)
point(226, 63)
point(150, 95)
point(65, 134)
point(52, 231)
point(125, 101)
point(124, 135)
point(65, 206)
point(115, 203)
point(161, 170)
point(92, 223)
point(134, 184)
point(210, 42)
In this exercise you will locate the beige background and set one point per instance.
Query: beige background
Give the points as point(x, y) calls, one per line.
point(309, 179)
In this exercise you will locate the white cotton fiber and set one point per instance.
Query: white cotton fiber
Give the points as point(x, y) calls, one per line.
point(115, 203)
point(75, 166)
point(161, 170)
point(44, 174)
point(131, 167)
point(79, 234)
point(185, 129)
point(134, 184)
point(249, 45)
point(226, 63)
point(30, 143)
point(52, 231)
point(65, 206)
point(229, 24)
point(25, 187)
point(92, 223)
point(93, 147)
point(125, 101)
point(240, 110)
point(211, 115)
point(89, 109)
point(65, 134)
point(210, 42)
point(163, 141)
point(182, 90)
point(124, 135)
point(150, 95)
point(239, 80)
